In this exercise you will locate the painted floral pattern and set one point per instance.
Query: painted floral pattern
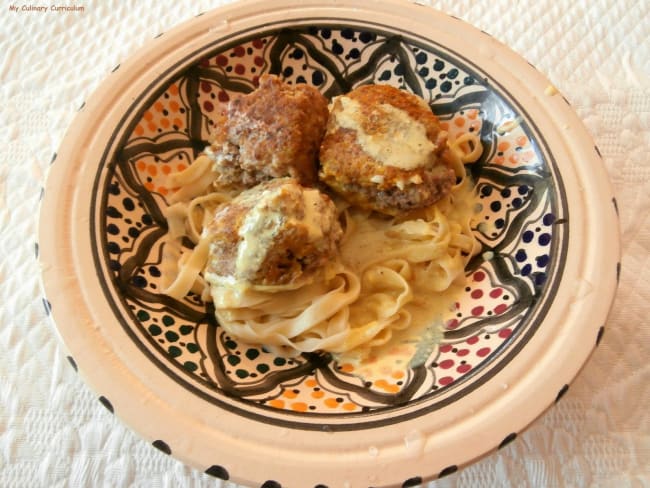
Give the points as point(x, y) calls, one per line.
point(520, 227)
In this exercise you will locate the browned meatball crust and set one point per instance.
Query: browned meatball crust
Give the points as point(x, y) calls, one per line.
point(272, 132)
point(384, 150)
point(276, 233)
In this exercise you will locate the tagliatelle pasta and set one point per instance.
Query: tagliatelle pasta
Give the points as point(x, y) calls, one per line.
point(387, 271)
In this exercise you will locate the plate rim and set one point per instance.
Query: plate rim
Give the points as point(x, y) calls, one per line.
point(49, 225)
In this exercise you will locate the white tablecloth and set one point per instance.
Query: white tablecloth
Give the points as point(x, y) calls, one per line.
point(54, 432)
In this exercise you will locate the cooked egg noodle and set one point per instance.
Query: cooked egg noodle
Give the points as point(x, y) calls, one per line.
point(194, 181)
point(182, 268)
point(384, 263)
point(467, 147)
point(369, 293)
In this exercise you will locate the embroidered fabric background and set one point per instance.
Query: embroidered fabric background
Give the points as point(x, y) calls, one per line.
point(54, 432)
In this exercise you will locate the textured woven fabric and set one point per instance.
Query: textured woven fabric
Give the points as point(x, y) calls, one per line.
point(53, 432)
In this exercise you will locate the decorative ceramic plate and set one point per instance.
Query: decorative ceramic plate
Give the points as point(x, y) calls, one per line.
point(532, 311)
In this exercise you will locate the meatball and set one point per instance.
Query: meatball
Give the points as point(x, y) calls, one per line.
point(384, 150)
point(276, 233)
point(272, 132)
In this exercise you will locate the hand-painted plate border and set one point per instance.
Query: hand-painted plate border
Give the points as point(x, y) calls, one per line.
point(530, 210)
point(531, 180)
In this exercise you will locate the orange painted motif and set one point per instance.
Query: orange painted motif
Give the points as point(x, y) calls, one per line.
point(346, 368)
point(331, 402)
point(299, 407)
point(386, 386)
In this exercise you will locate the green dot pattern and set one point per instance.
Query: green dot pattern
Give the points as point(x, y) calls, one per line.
point(179, 342)
point(249, 363)
point(174, 336)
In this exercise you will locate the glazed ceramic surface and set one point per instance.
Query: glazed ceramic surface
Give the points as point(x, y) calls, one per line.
point(529, 315)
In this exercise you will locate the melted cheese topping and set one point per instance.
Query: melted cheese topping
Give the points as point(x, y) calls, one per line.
point(257, 232)
point(265, 221)
point(313, 218)
point(403, 144)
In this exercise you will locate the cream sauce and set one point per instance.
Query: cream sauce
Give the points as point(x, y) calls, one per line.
point(265, 220)
point(371, 240)
point(404, 144)
point(257, 232)
point(313, 218)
